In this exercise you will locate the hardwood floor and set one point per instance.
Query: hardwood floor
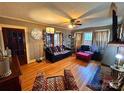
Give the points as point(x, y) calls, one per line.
point(82, 71)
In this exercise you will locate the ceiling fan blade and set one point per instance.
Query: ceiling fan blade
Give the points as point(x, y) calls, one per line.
point(62, 23)
point(78, 24)
point(94, 10)
point(59, 11)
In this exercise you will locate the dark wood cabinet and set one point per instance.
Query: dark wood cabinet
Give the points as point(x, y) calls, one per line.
point(12, 82)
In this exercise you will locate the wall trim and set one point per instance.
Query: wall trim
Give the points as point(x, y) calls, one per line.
point(38, 23)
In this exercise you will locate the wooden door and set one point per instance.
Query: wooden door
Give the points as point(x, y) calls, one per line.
point(15, 40)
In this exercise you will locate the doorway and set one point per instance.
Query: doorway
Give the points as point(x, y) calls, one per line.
point(14, 39)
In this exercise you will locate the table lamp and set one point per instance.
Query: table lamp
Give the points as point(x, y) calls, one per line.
point(119, 57)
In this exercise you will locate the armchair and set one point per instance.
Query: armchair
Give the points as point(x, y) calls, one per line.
point(96, 55)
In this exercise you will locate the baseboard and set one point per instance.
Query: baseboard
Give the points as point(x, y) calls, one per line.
point(34, 60)
point(105, 65)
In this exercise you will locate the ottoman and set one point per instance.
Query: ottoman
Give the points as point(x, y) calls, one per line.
point(84, 56)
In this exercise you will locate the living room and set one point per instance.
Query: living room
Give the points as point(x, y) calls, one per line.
point(44, 47)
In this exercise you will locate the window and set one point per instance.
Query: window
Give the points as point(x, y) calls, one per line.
point(49, 40)
point(56, 39)
point(87, 38)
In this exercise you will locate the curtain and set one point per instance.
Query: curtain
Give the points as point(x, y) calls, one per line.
point(100, 39)
point(78, 39)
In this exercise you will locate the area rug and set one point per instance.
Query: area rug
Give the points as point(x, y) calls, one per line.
point(96, 82)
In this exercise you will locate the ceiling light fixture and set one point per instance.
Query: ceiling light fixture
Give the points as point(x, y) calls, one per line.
point(71, 26)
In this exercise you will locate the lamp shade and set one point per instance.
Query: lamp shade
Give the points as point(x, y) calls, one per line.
point(50, 30)
point(119, 56)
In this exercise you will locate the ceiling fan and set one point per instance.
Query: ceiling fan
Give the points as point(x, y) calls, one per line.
point(73, 22)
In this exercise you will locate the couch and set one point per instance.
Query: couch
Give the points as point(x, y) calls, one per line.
point(92, 50)
point(57, 53)
point(55, 83)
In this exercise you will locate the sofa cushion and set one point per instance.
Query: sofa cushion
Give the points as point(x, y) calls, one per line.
point(58, 47)
point(39, 83)
point(65, 51)
point(57, 53)
point(62, 48)
point(55, 83)
point(70, 81)
point(50, 49)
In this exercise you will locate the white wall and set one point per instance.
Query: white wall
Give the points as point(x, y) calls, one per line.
point(110, 53)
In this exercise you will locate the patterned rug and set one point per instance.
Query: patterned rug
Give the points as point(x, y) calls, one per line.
point(96, 83)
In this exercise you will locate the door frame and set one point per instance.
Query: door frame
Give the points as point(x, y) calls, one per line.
point(16, 27)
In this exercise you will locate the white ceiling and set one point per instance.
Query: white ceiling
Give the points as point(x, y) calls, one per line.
point(90, 14)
